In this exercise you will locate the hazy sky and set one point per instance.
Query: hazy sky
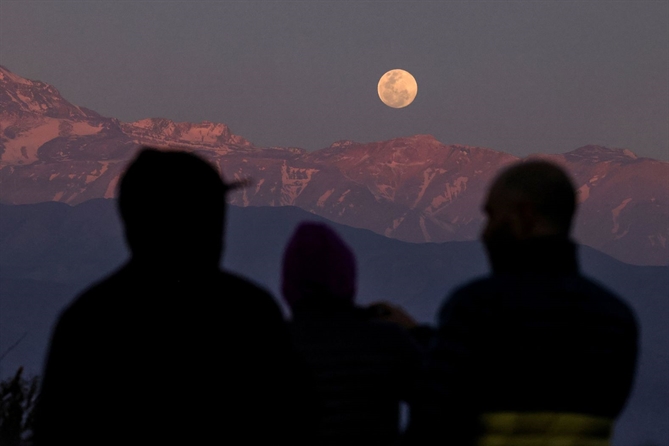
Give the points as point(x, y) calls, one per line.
point(521, 76)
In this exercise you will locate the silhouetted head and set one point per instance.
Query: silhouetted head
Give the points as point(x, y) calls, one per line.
point(173, 207)
point(527, 200)
point(317, 264)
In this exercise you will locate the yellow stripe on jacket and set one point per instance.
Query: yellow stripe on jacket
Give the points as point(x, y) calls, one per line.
point(544, 429)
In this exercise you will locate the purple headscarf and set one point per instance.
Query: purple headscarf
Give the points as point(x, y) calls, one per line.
point(316, 263)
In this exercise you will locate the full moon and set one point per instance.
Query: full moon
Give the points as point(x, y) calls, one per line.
point(397, 88)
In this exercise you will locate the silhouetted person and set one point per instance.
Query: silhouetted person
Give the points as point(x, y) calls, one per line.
point(535, 353)
point(362, 368)
point(170, 349)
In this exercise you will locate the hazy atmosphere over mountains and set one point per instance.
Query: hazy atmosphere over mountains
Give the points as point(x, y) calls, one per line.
point(51, 251)
point(414, 189)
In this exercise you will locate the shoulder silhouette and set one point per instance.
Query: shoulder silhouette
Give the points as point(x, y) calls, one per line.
point(170, 349)
point(362, 368)
point(535, 350)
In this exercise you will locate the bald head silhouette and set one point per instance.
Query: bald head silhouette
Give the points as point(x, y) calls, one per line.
point(173, 207)
point(530, 199)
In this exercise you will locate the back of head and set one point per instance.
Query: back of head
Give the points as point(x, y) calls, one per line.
point(318, 264)
point(543, 186)
point(173, 207)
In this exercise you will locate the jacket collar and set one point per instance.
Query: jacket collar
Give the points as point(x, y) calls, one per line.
point(548, 255)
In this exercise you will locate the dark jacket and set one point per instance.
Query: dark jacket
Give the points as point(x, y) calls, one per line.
point(362, 368)
point(534, 337)
point(155, 357)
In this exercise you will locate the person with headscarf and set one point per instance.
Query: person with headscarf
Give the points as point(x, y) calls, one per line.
point(363, 367)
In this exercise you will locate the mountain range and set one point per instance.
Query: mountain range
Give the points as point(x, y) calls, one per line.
point(413, 189)
point(59, 232)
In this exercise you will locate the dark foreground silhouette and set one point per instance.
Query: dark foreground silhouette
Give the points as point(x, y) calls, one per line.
point(363, 368)
point(172, 350)
point(169, 349)
point(536, 353)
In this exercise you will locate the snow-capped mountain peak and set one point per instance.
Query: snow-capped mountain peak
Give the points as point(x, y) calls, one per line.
point(413, 188)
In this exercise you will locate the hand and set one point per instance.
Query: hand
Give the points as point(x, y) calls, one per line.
point(391, 313)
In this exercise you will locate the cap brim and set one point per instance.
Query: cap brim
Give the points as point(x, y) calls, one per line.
point(239, 184)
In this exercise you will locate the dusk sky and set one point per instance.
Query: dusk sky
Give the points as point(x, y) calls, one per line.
point(519, 77)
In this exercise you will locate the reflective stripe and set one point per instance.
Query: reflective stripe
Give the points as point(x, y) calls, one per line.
point(544, 429)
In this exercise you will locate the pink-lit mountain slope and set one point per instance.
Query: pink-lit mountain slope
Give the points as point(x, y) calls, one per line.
point(414, 189)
